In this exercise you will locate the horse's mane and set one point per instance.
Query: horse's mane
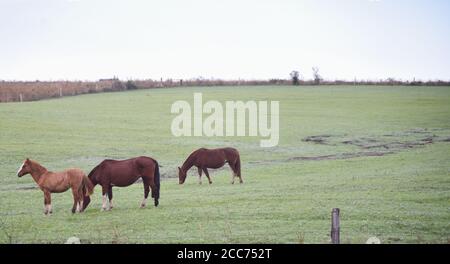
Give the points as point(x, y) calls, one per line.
point(94, 170)
point(188, 162)
point(37, 166)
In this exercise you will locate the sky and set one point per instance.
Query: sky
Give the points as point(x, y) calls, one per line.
point(228, 39)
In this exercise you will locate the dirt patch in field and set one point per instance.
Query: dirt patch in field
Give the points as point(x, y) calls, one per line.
point(319, 139)
point(27, 187)
point(380, 144)
point(395, 141)
point(22, 187)
point(374, 146)
point(349, 155)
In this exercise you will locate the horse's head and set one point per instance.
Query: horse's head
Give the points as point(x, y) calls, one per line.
point(25, 168)
point(181, 175)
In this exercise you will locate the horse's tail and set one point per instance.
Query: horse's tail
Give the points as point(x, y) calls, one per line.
point(238, 166)
point(88, 187)
point(156, 177)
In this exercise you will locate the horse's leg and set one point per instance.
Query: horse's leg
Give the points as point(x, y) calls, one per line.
point(76, 200)
point(80, 198)
point(110, 196)
point(236, 172)
point(81, 204)
point(105, 189)
point(207, 174)
point(199, 175)
point(86, 201)
point(47, 203)
point(232, 166)
point(146, 191)
point(153, 187)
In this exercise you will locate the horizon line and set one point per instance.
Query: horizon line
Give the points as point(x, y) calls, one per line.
point(414, 79)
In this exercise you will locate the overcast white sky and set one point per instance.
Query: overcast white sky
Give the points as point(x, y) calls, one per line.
point(92, 39)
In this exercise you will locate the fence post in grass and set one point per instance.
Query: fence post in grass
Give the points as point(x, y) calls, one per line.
point(60, 91)
point(21, 97)
point(335, 229)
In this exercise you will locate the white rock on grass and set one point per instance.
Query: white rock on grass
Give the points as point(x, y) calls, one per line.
point(373, 240)
point(73, 240)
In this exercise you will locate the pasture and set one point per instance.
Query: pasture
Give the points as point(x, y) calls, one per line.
point(380, 154)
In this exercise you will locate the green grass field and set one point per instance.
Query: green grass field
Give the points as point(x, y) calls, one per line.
point(380, 154)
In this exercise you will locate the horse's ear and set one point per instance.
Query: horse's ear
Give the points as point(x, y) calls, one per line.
point(28, 159)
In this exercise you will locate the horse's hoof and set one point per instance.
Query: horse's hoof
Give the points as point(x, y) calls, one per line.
point(210, 182)
point(156, 203)
point(142, 206)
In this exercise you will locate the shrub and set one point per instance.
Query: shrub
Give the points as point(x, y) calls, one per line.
point(130, 85)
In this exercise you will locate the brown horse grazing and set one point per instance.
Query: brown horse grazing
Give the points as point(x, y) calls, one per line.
point(58, 182)
point(211, 158)
point(122, 173)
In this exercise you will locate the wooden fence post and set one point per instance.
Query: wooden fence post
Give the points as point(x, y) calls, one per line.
point(335, 229)
point(60, 91)
point(21, 98)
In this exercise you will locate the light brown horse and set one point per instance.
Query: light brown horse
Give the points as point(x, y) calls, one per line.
point(211, 158)
point(58, 182)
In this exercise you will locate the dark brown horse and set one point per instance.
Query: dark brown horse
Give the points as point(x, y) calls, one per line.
point(58, 182)
point(122, 173)
point(211, 158)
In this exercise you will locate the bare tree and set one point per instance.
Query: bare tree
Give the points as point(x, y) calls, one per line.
point(317, 77)
point(295, 77)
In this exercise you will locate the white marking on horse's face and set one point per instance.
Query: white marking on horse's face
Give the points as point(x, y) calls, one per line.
point(20, 168)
